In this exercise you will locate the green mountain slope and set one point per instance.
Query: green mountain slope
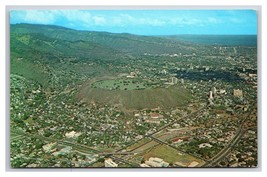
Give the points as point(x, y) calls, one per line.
point(127, 43)
point(59, 58)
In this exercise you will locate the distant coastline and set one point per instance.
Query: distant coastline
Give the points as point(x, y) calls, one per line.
point(225, 40)
point(206, 39)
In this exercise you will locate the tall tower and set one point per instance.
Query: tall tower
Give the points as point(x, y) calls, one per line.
point(210, 95)
point(174, 80)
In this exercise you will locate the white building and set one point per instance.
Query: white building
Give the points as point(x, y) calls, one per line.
point(49, 147)
point(238, 92)
point(203, 145)
point(164, 71)
point(210, 95)
point(193, 164)
point(65, 150)
point(156, 162)
point(109, 163)
point(144, 165)
point(174, 80)
point(222, 91)
point(252, 75)
point(72, 134)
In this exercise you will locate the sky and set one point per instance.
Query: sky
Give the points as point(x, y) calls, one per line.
point(145, 22)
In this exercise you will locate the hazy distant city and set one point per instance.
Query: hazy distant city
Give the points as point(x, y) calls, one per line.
point(133, 89)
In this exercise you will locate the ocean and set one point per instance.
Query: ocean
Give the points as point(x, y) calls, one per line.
point(224, 40)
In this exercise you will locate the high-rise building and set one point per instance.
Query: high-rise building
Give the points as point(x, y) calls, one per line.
point(210, 95)
point(214, 91)
point(174, 80)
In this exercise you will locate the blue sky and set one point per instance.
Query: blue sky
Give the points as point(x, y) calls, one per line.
point(145, 22)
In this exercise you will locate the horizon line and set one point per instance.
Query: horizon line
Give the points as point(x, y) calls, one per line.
point(184, 34)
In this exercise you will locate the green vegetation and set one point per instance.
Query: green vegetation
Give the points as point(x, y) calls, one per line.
point(165, 98)
point(193, 148)
point(96, 92)
point(111, 43)
point(121, 84)
point(138, 144)
point(170, 155)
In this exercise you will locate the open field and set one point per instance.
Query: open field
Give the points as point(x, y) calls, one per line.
point(120, 84)
point(146, 146)
point(136, 145)
point(170, 155)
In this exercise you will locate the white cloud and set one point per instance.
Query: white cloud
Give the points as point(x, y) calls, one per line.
point(236, 20)
point(126, 17)
point(51, 16)
point(182, 21)
point(123, 19)
point(213, 20)
point(157, 22)
point(35, 16)
point(99, 20)
point(116, 21)
point(87, 19)
point(82, 18)
point(75, 16)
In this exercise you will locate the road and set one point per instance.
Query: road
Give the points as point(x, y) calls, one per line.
point(62, 142)
point(227, 149)
point(160, 129)
point(80, 148)
point(157, 140)
point(175, 121)
point(167, 144)
point(116, 155)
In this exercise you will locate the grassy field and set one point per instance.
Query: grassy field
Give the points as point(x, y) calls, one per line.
point(98, 165)
point(120, 84)
point(164, 98)
point(170, 155)
point(29, 70)
point(146, 146)
point(143, 141)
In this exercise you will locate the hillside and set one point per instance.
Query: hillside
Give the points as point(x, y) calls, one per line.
point(59, 59)
point(126, 43)
point(41, 52)
point(164, 98)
